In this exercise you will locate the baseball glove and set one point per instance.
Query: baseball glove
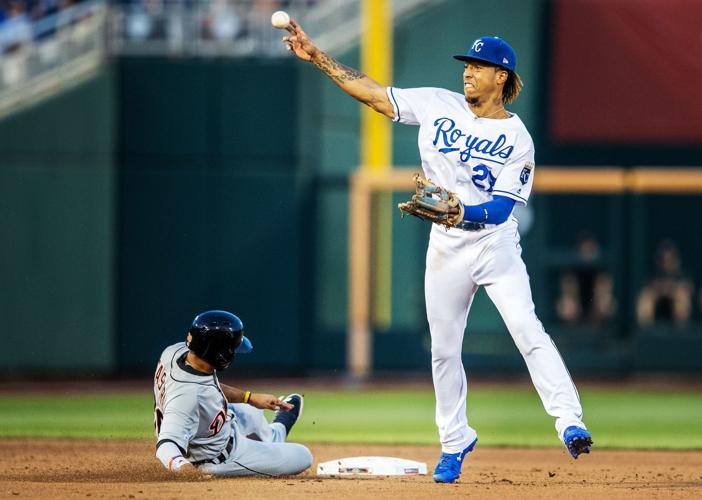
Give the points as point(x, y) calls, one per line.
point(433, 203)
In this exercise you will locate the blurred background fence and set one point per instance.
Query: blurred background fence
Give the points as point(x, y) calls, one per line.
point(161, 158)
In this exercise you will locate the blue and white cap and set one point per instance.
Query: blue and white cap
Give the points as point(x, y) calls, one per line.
point(491, 49)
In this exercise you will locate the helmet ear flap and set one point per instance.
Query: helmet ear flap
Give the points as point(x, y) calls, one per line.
point(214, 336)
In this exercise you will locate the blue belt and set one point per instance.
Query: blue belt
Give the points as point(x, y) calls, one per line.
point(471, 226)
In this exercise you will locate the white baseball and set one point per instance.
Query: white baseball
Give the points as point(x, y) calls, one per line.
point(280, 19)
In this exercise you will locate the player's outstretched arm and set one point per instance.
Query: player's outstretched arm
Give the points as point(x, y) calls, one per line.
point(255, 399)
point(359, 86)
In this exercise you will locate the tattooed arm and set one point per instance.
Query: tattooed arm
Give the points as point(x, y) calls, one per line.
point(359, 86)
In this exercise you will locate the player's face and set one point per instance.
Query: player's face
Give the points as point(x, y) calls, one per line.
point(481, 80)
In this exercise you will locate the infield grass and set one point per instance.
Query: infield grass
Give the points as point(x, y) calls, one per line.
point(503, 417)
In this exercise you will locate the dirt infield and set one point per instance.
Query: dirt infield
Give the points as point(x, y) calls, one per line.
point(113, 469)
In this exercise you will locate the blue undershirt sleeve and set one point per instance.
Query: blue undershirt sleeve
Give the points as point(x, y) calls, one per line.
point(495, 211)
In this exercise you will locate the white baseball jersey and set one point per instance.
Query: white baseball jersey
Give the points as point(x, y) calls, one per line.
point(190, 407)
point(473, 157)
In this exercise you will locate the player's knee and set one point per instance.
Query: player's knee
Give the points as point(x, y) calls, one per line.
point(291, 459)
point(443, 346)
point(441, 353)
point(301, 459)
point(306, 458)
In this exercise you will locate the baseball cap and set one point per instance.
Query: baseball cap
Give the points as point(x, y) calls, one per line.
point(491, 49)
point(245, 347)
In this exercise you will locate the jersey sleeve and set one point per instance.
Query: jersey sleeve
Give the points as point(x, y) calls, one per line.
point(517, 177)
point(170, 456)
point(410, 105)
point(180, 420)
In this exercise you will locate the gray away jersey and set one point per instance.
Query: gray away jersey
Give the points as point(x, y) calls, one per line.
point(190, 409)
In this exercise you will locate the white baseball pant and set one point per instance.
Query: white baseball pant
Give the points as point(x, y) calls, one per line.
point(456, 265)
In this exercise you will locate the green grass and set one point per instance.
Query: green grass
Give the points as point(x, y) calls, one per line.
point(617, 419)
point(77, 415)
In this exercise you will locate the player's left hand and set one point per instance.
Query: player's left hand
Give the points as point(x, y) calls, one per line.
point(268, 402)
point(433, 203)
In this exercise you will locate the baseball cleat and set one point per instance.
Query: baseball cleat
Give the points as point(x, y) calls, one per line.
point(448, 470)
point(289, 417)
point(577, 440)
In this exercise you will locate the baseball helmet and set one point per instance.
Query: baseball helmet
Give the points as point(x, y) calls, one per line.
point(215, 336)
point(491, 49)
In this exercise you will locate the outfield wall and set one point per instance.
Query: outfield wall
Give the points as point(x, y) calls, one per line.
point(211, 194)
point(57, 217)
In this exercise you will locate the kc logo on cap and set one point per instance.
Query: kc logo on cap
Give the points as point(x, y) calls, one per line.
point(491, 49)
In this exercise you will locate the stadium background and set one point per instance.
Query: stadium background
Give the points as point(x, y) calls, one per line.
point(162, 186)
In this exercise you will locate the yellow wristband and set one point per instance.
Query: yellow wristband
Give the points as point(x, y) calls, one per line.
point(247, 396)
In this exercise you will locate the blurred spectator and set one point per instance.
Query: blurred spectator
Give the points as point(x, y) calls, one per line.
point(184, 24)
point(267, 5)
point(15, 35)
point(145, 20)
point(667, 297)
point(41, 10)
point(586, 290)
point(16, 29)
point(221, 21)
point(3, 12)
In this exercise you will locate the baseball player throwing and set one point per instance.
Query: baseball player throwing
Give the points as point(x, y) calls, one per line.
point(475, 148)
point(204, 426)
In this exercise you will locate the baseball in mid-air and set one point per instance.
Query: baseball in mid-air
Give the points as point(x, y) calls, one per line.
point(280, 19)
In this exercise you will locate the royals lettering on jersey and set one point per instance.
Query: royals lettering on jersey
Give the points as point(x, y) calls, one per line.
point(449, 135)
point(189, 408)
point(473, 157)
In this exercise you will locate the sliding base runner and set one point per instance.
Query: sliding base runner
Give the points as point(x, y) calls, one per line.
point(204, 427)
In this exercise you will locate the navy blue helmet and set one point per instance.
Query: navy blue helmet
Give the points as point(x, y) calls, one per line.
point(215, 336)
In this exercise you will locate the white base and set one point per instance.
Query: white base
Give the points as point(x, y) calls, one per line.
point(371, 466)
